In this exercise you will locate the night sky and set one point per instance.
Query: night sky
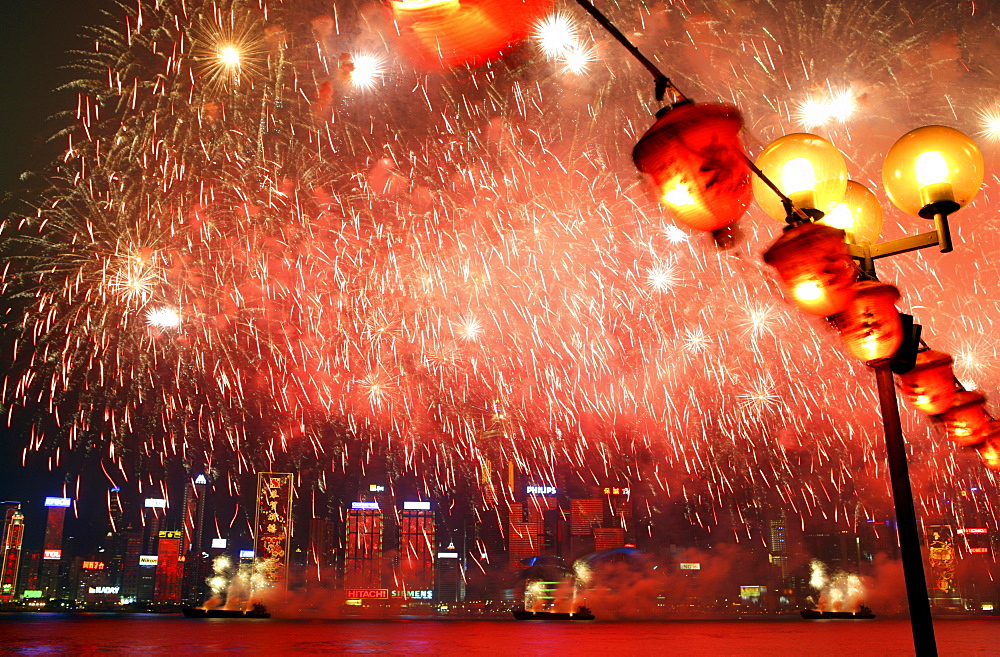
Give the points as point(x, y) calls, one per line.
point(36, 40)
point(567, 306)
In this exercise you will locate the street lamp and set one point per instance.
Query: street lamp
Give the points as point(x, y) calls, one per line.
point(930, 172)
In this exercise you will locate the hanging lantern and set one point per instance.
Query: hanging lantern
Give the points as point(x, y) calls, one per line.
point(440, 34)
point(814, 265)
point(694, 159)
point(989, 449)
point(930, 385)
point(870, 325)
point(967, 418)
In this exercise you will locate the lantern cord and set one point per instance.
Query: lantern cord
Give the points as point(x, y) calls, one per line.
point(662, 81)
point(790, 208)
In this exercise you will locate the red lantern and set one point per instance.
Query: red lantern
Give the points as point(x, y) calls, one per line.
point(989, 449)
point(814, 265)
point(439, 34)
point(967, 418)
point(694, 158)
point(930, 385)
point(870, 325)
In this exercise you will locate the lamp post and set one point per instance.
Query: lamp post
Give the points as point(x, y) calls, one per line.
point(930, 172)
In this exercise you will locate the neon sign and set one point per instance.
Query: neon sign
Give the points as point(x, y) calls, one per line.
point(416, 506)
point(52, 554)
point(364, 505)
point(541, 490)
point(155, 503)
point(368, 594)
point(58, 501)
point(92, 565)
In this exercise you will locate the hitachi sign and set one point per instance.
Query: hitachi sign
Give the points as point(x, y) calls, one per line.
point(368, 594)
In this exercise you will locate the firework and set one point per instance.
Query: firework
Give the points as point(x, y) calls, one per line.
point(272, 239)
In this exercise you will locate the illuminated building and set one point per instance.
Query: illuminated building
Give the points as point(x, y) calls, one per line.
point(53, 545)
point(608, 538)
point(838, 550)
point(169, 568)
point(525, 535)
point(131, 571)
point(585, 515)
point(450, 566)
point(322, 550)
point(154, 513)
point(417, 544)
point(197, 564)
point(194, 514)
point(116, 537)
point(778, 548)
point(273, 526)
point(363, 549)
point(943, 559)
point(10, 556)
point(28, 579)
point(878, 540)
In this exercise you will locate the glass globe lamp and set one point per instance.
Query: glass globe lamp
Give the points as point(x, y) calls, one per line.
point(808, 169)
point(859, 215)
point(934, 170)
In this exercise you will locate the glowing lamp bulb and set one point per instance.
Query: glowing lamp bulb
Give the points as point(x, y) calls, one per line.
point(931, 171)
point(679, 194)
point(798, 178)
point(840, 217)
point(808, 291)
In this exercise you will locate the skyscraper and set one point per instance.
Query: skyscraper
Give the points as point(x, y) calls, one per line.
point(525, 536)
point(10, 555)
point(52, 547)
point(363, 549)
point(169, 569)
point(196, 561)
point(417, 543)
point(273, 526)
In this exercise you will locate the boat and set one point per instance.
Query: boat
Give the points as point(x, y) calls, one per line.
point(257, 611)
point(863, 612)
point(582, 613)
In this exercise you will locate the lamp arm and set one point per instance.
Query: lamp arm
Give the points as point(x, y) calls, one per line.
point(662, 81)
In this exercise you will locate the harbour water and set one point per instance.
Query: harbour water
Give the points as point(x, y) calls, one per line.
point(158, 634)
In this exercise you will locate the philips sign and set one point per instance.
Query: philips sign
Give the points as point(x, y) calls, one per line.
point(541, 490)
